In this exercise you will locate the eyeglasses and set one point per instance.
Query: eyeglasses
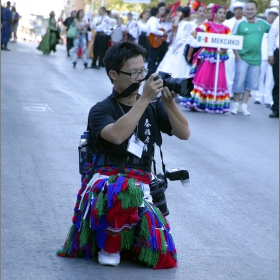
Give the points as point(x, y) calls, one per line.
point(135, 75)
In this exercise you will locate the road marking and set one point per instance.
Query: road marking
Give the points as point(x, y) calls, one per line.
point(23, 50)
point(35, 107)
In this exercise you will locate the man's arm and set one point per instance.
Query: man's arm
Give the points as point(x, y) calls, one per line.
point(272, 35)
point(179, 123)
point(119, 131)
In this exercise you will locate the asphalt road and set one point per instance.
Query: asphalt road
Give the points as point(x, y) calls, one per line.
point(225, 224)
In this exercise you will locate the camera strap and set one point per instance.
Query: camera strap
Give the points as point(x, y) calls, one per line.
point(157, 136)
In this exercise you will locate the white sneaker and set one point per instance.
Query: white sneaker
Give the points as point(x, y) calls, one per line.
point(105, 258)
point(235, 108)
point(245, 112)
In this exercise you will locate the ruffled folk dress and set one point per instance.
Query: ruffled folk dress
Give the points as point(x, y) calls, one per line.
point(203, 70)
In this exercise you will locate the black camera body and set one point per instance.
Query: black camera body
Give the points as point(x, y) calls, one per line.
point(159, 184)
point(182, 86)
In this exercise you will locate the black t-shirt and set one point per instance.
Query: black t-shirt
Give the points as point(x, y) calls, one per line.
point(108, 111)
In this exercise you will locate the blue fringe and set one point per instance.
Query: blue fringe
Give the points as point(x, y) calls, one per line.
point(153, 237)
point(170, 243)
point(100, 236)
point(110, 196)
point(88, 253)
point(118, 185)
point(98, 187)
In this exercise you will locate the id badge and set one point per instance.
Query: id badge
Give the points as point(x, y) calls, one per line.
point(135, 146)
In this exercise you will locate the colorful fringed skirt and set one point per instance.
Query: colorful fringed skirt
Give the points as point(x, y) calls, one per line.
point(204, 69)
point(114, 212)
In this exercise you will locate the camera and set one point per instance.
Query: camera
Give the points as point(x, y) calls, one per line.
point(159, 184)
point(182, 86)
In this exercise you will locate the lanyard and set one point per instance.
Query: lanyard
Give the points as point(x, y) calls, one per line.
point(136, 134)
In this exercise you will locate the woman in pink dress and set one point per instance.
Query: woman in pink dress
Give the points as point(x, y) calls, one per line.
point(204, 68)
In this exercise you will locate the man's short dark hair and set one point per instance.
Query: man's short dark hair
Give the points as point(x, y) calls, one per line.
point(161, 4)
point(118, 54)
point(103, 9)
point(252, 1)
point(154, 11)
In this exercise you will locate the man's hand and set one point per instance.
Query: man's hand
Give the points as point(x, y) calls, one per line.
point(271, 60)
point(167, 96)
point(152, 88)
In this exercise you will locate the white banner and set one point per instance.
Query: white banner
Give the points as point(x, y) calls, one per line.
point(137, 1)
point(220, 41)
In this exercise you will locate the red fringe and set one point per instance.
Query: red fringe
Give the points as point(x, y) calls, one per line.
point(112, 244)
point(166, 261)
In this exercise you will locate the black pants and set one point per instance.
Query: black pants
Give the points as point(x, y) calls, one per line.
point(156, 56)
point(69, 43)
point(143, 41)
point(275, 91)
point(99, 48)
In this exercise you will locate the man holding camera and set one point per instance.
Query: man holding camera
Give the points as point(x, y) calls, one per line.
point(116, 213)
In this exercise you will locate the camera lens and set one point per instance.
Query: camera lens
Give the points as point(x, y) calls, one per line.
point(160, 202)
point(181, 86)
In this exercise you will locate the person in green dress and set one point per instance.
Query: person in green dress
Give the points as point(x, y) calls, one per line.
point(50, 39)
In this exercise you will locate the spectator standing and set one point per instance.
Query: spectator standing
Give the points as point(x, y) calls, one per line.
point(14, 26)
point(101, 24)
point(237, 8)
point(80, 40)
point(264, 94)
point(273, 59)
point(67, 22)
point(248, 60)
point(6, 17)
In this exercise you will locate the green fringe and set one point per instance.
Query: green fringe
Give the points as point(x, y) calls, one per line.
point(131, 198)
point(163, 245)
point(100, 205)
point(112, 179)
point(149, 256)
point(144, 227)
point(68, 243)
point(84, 234)
point(160, 215)
point(127, 238)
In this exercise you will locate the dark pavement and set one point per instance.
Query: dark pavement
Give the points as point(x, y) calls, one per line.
point(225, 224)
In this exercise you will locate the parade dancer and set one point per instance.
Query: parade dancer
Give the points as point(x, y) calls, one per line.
point(101, 25)
point(204, 69)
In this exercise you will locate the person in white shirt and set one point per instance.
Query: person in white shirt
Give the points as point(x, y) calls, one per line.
point(238, 9)
point(264, 94)
point(273, 59)
point(132, 32)
point(157, 31)
point(101, 24)
point(175, 52)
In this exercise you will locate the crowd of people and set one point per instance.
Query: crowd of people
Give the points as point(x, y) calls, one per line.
point(170, 37)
